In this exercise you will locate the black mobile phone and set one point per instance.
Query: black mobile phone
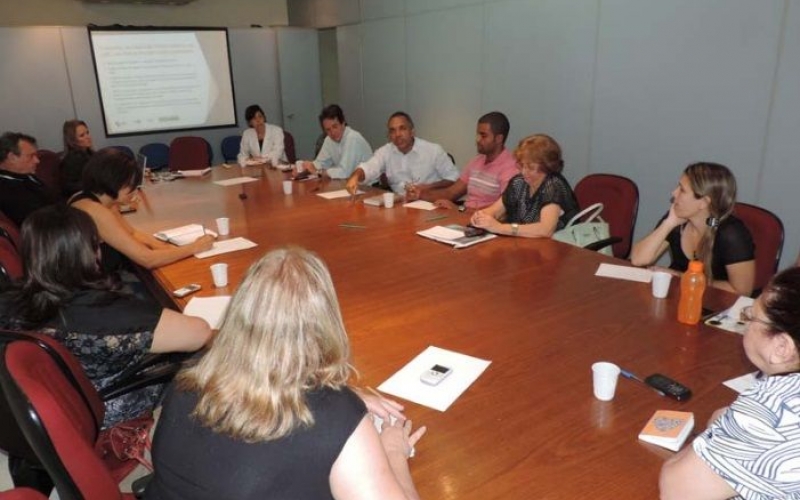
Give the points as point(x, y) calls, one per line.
point(668, 387)
point(302, 175)
point(471, 231)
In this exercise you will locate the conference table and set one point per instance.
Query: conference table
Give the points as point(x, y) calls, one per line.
point(529, 426)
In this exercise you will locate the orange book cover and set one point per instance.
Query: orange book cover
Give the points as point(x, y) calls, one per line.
point(668, 428)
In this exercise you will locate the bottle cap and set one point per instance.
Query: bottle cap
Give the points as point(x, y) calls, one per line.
point(695, 266)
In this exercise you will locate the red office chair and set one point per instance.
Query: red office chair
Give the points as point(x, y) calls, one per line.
point(189, 153)
point(288, 147)
point(22, 494)
point(10, 261)
point(59, 413)
point(10, 230)
point(47, 170)
point(620, 198)
point(767, 231)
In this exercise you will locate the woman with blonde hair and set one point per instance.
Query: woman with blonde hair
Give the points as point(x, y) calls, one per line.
point(700, 225)
point(267, 412)
point(539, 200)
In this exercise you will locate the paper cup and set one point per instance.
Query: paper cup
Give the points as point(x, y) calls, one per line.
point(299, 166)
point(604, 376)
point(223, 226)
point(388, 200)
point(660, 284)
point(287, 187)
point(219, 273)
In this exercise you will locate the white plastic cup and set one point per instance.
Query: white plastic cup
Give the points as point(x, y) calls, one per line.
point(287, 187)
point(299, 166)
point(388, 200)
point(660, 284)
point(219, 273)
point(223, 226)
point(604, 377)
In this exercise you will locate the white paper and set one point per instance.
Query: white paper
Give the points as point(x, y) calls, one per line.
point(406, 383)
point(624, 273)
point(420, 205)
point(210, 309)
point(340, 193)
point(730, 319)
point(235, 181)
point(741, 384)
point(442, 232)
point(226, 246)
point(194, 173)
point(184, 235)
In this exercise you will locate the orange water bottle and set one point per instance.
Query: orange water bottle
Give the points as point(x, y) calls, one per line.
point(693, 284)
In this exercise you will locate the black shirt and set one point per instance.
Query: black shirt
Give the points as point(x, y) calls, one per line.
point(21, 194)
point(70, 172)
point(525, 208)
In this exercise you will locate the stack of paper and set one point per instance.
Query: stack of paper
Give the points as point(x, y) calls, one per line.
point(184, 235)
point(730, 319)
point(194, 173)
point(231, 245)
point(211, 309)
point(454, 235)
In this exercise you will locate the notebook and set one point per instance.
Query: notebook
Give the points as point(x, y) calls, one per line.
point(668, 429)
point(184, 235)
point(454, 235)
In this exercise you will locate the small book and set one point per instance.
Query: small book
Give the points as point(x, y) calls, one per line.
point(184, 235)
point(454, 235)
point(668, 429)
point(194, 173)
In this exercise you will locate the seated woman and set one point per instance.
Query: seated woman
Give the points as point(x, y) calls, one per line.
point(271, 399)
point(262, 142)
point(65, 294)
point(751, 447)
point(77, 151)
point(700, 224)
point(539, 200)
point(110, 180)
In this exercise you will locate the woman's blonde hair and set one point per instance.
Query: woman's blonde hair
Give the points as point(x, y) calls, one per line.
point(716, 182)
point(541, 149)
point(282, 336)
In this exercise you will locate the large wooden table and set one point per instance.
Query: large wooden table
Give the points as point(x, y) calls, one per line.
point(529, 427)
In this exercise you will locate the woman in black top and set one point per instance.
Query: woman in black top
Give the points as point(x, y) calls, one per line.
point(65, 294)
point(539, 200)
point(700, 226)
point(77, 151)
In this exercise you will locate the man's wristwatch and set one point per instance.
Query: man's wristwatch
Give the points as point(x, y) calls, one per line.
point(514, 229)
point(462, 208)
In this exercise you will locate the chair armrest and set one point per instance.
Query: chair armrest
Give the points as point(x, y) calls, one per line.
point(599, 245)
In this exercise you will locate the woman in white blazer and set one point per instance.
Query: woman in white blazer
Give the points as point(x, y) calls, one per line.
point(262, 142)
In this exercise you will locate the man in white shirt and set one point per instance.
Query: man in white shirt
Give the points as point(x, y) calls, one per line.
point(411, 164)
point(343, 148)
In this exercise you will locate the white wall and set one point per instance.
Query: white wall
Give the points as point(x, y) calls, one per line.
point(639, 88)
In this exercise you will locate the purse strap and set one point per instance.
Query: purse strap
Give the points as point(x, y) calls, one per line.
point(594, 210)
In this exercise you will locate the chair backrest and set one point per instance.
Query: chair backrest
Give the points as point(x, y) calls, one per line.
point(288, 147)
point(10, 230)
point(230, 147)
point(56, 421)
point(47, 170)
point(10, 261)
point(766, 228)
point(620, 198)
point(189, 153)
point(157, 154)
point(22, 494)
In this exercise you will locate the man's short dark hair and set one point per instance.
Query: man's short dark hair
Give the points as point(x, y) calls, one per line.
point(109, 171)
point(332, 112)
point(404, 115)
point(9, 143)
point(498, 122)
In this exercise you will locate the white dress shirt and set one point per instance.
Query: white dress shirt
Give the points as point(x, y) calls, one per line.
point(339, 159)
point(271, 149)
point(426, 163)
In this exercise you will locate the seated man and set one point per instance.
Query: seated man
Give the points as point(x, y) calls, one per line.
point(411, 164)
point(343, 148)
point(21, 192)
point(484, 178)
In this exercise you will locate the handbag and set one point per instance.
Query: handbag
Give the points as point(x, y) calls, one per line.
point(592, 230)
point(127, 442)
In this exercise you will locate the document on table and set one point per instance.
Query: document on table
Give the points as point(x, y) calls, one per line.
point(235, 181)
point(210, 309)
point(340, 193)
point(741, 384)
point(731, 319)
point(226, 246)
point(624, 273)
point(406, 383)
point(420, 205)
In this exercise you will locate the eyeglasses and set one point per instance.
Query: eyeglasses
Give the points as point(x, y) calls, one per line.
point(748, 316)
point(529, 167)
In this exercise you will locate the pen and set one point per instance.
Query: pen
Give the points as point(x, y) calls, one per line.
point(373, 391)
point(438, 217)
point(353, 226)
point(631, 376)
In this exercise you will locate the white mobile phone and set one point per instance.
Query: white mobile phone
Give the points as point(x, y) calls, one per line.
point(435, 374)
point(186, 290)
